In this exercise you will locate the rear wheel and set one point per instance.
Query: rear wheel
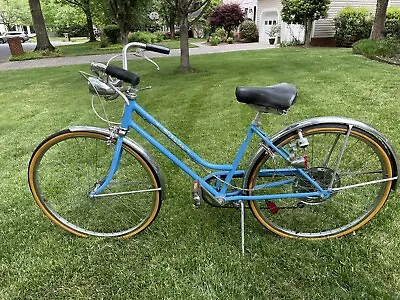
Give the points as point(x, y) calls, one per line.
point(347, 209)
point(67, 166)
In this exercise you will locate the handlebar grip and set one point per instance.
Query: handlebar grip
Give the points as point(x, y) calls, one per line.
point(122, 74)
point(157, 48)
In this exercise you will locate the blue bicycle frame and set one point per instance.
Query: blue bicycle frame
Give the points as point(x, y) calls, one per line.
point(228, 171)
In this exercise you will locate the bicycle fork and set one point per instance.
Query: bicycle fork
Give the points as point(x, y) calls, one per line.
point(113, 169)
point(102, 184)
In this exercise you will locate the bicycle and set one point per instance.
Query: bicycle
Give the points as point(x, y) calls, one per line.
point(319, 178)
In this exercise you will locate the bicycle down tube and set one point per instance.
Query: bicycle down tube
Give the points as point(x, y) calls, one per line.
point(230, 170)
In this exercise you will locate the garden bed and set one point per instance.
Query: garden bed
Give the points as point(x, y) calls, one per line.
point(385, 50)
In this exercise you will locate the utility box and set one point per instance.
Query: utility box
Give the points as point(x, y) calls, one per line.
point(15, 45)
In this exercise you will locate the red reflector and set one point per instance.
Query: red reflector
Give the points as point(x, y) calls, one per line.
point(272, 207)
point(305, 162)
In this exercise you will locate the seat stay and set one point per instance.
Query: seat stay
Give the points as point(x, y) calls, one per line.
point(283, 153)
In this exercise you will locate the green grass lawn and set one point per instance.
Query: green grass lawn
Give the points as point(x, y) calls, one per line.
point(90, 48)
point(190, 253)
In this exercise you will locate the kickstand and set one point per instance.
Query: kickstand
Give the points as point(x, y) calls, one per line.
point(242, 224)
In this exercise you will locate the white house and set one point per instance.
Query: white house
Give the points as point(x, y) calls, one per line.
point(267, 13)
point(323, 29)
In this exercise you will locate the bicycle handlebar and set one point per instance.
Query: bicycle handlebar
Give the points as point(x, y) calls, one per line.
point(157, 48)
point(148, 47)
point(122, 73)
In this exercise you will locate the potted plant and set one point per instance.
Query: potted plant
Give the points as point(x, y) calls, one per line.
point(273, 33)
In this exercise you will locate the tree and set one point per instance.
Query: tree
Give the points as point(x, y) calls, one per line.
point(14, 12)
point(43, 42)
point(85, 6)
point(59, 17)
point(169, 14)
point(304, 12)
point(125, 13)
point(189, 11)
point(227, 16)
point(379, 21)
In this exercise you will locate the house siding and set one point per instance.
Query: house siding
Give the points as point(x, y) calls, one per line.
point(394, 3)
point(326, 27)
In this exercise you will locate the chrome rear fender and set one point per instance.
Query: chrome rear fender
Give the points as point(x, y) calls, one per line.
point(135, 146)
point(329, 120)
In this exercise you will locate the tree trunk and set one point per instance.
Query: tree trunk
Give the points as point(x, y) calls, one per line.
point(124, 37)
point(89, 22)
point(171, 25)
point(184, 43)
point(43, 42)
point(379, 21)
point(124, 31)
point(307, 32)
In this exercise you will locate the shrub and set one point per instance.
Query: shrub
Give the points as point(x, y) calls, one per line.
point(229, 40)
point(215, 40)
point(221, 33)
point(112, 33)
point(103, 43)
point(227, 16)
point(248, 31)
point(293, 42)
point(352, 24)
point(160, 36)
point(392, 23)
point(389, 47)
point(143, 37)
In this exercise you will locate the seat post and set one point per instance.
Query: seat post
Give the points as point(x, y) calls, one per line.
point(256, 122)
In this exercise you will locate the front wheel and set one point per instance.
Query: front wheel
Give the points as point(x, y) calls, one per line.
point(364, 160)
point(68, 165)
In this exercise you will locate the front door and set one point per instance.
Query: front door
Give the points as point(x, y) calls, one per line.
point(268, 19)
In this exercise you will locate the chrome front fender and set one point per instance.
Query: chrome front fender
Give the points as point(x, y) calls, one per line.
point(135, 146)
point(329, 120)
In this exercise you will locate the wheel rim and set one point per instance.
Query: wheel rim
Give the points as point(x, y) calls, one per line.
point(66, 169)
point(346, 210)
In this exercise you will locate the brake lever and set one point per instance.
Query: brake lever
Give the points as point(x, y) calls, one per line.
point(140, 53)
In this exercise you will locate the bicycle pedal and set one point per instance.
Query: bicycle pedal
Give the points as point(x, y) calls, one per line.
point(197, 195)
